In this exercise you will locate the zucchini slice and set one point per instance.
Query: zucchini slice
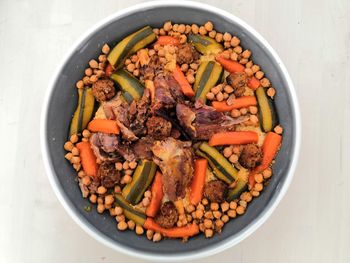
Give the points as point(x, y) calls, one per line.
point(205, 45)
point(221, 167)
point(235, 192)
point(130, 212)
point(131, 86)
point(83, 112)
point(209, 73)
point(141, 179)
point(130, 45)
point(267, 112)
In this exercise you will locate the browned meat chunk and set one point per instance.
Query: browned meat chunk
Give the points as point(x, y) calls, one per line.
point(95, 183)
point(158, 127)
point(203, 121)
point(238, 81)
point(153, 68)
point(167, 216)
point(186, 53)
point(142, 148)
point(108, 174)
point(103, 89)
point(175, 160)
point(251, 156)
point(140, 114)
point(215, 191)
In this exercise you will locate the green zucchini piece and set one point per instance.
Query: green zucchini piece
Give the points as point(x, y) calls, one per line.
point(130, 45)
point(205, 45)
point(267, 112)
point(130, 212)
point(208, 75)
point(236, 192)
point(142, 178)
point(220, 165)
point(131, 86)
point(83, 112)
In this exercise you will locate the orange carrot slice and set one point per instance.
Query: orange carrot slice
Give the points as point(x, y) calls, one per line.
point(157, 195)
point(182, 80)
point(238, 103)
point(175, 232)
point(230, 65)
point(167, 40)
point(88, 158)
point(200, 171)
point(253, 83)
point(109, 70)
point(235, 137)
point(102, 125)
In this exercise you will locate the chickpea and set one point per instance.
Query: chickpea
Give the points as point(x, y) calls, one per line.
point(118, 210)
point(109, 199)
point(126, 165)
point(127, 179)
point(205, 201)
point(228, 89)
point(101, 190)
point(181, 29)
point(93, 198)
point(219, 96)
point(227, 152)
point(120, 218)
point(162, 32)
point(167, 26)
point(93, 78)
point(209, 233)
point(249, 64)
point(254, 119)
point(255, 193)
point(208, 26)
point(238, 49)
point(258, 187)
point(202, 31)
point(80, 84)
point(99, 200)
point(68, 146)
point(227, 44)
point(240, 210)
point(271, 92)
point(130, 67)
point(131, 225)
point(93, 63)
point(86, 80)
point(231, 213)
point(75, 160)
point(195, 29)
point(235, 41)
point(122, 225)
point(236, 149)
point(226, 54)
point(212, 34)
point(243, 111)
point(234, 56)
point(100, 208)
point(117, 189)
point(88, 72)
point(225, 206)
point(255, 68)
point(253, 109)
point(145, 201)
point(218, 37)
point(188, 29)
point(77, 166)
point(86, 133)
point(105, 49)
point(248, 71)
point(119, 166)
point(184, 67)
point(265, 82)
point(259, 74)
point(227, 36)
point(278, 129)
point(217, 214)
point(233, 205)
point(214, 206)
point(156, 31)
point(225, 218)
point(136, 72)
point(149, 234)
point(243, 203)
point(86, 180)
point(74, 138)
point(243, 61)
point(209, 215)
point(219, 224)
point(75, 151)
point(210, 96)
point(233, 158)
point(190, 78)
point(246, 53)
point(179, 223)
point(201, 227)
point(208, 223)
point(258, 178)
point(235, 113)
point(199, 214)
point(81, 174)
point(183, 39)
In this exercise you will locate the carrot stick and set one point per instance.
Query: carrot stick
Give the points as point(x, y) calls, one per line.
point(180, 206)
point(253, 83)
point(236, 137)
point(150, 85)
point(237, 103)
point(157, 195)
point(102, 125)
point(167, 40)
point(109, 70)
point(230, 65)
point(200, 171)
point(88, 158)
point(175, 232)
point(181, 79)
point(270, 148)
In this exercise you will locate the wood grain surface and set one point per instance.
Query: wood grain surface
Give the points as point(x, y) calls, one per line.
point(312, 222)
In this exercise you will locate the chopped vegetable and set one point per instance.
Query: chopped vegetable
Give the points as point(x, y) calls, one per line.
point(230, 65)
point(130, 45)
point(182, 80)
point(204, 44)
point(235, 137)
point(235, 192)
point(238, 103)
point(253, 83)
point(268, 117)
point(175, 232)
point(83, 113)
point(200, 171)
point(167, 40)
point(103, 125)
point(88, 158)
point(130, 212)
point(109, 70)
point(157, 195)
point(142, 178)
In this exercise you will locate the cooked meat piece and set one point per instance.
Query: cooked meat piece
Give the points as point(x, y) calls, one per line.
point(175, 160)
point(251, 156)
point(95, 183)
point(103, 89)
point(158, 127)
point(83, 188)
point(108, 148)
point(138, 120)
point(152, 69)
point(186, 53)
point(142, 148)
point(108, 174)
point(167, 215)
point(167, 92)
point(175, 133)
point(215, 191)
point(238, 81)
point(203, 121)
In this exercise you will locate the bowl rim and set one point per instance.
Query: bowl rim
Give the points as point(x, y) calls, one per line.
point(185, 256)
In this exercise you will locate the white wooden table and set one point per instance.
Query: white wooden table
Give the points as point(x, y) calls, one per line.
point(312, 222)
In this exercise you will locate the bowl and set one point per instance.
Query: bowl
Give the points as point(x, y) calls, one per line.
point(60, 102)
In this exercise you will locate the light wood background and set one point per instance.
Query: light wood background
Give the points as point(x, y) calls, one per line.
point(312, 222)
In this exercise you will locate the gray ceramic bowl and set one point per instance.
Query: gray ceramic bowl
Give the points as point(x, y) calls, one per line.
point(61, 100)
